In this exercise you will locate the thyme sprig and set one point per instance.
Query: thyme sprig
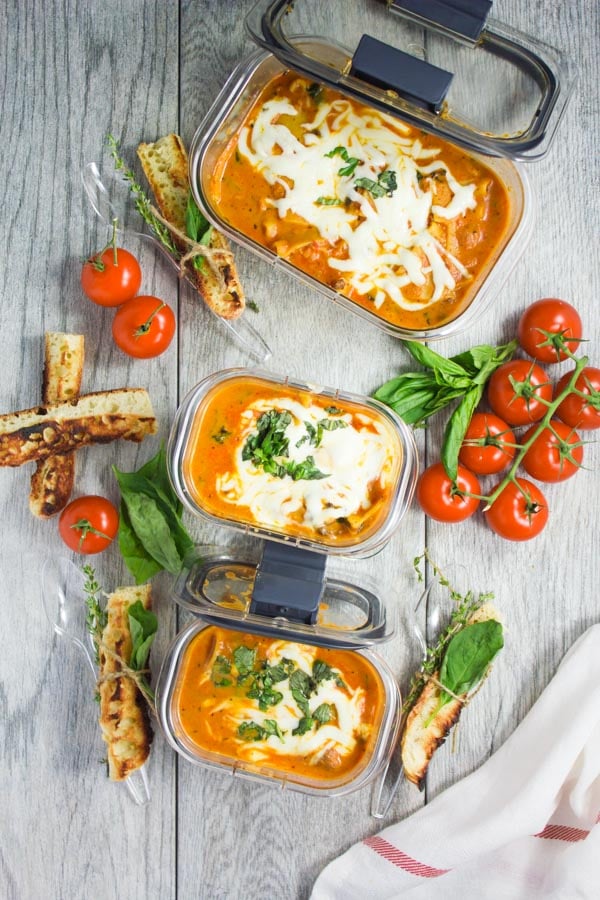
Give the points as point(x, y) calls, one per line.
point(465, 605)
point(141, 201)
point(96, 617)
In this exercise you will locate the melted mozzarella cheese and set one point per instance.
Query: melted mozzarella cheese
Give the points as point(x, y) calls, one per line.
point(352, 458)
point(389, 245)
point(340, 736)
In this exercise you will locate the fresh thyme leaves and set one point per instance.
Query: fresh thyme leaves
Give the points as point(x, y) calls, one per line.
point(385, 185)
point(221, 435)
point(141, 201)
point(253, 305)
point(268, 447)
point(351, 161)
point(464, 608)
point(96, 617)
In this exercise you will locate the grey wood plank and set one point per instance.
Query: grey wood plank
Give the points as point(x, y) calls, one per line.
point(72, 72)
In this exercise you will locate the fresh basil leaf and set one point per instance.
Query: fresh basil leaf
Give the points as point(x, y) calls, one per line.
point(196, 223)
point(244, 659)
point(323, 714)
point(334, 410)
point(456, 428)
point(387, 178)
point(329, 201)
point(432, 360)
point(305, 724)
point(142, 566)
point(321, 671)
point(251, 731)
point(468, 656)
point(373, 187)
point(348, 170)
point(338, 151)
point(271, 727)
point(316, 92)
point(143, 625)
point(152, 530)
point(221, 435)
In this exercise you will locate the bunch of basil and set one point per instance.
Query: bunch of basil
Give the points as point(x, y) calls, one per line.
point(417, 395)
point(152, 536)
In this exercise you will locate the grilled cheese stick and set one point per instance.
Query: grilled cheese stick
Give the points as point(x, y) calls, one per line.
point(421, 737)
point(53, 479)
point(123, 713)
point(35, 434)
point(165, 165)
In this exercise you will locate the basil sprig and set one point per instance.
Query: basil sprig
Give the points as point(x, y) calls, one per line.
point(143, 625)
point(152, 536)
point(415, 396)
point(197, 228)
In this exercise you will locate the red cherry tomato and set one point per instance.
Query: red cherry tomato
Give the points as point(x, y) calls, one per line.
point(88, 524)
point(444, 501)
point(581, 412)
point(519, 392)
point(545, 326)
point(487, 446)
point(555, 455)
point(108, 283)
point(519, 513)
point(144, 327)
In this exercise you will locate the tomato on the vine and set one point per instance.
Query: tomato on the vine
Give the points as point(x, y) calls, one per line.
point(88, 524)
point(112, 277)
point(581, 411)
point(144, 327)
point(555, 455)
point(488, 446)
point(519, 392)
point(519, 513)
point(545, 328)
point(442, 499)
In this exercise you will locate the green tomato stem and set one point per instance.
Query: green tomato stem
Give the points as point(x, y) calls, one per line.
point(553, 405)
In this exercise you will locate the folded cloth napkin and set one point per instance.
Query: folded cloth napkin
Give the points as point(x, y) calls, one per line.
point(521, 827)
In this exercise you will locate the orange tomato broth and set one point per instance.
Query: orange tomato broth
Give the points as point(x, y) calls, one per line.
point(200, 706)
point(207, 458)
point(240, 195)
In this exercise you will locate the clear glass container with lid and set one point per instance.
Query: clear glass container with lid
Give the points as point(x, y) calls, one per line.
point(276, 687)
point(396, 193)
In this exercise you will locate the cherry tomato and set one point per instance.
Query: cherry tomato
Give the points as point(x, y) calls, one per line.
point(544, 325)
point(519, 392)
point(108, 283)
point(487, 446)
point(88, 524)
point(444, 501)
point(144, 327)
point(555, 455)
point(576, 411)
point(519, 513)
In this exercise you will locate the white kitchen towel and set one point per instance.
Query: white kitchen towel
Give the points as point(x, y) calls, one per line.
point(525, 826)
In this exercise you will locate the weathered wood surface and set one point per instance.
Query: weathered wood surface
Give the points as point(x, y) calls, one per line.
point(71, 73)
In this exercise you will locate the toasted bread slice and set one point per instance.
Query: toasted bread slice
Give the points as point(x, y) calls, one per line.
point(124, 717)
point(165, 165)
point(100, 418)
point(423, 731)
point(54, 477)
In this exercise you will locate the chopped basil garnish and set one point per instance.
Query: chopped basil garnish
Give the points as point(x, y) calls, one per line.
point(329, 201)
point(268, 449)
point(385, 185)
point(221, 435)
point(352, 161)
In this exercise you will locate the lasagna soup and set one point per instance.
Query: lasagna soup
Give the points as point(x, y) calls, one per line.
point(291, 461)
point(394, 219)
point(294, 708)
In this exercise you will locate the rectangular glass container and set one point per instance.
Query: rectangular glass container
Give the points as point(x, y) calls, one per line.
point(214, 458)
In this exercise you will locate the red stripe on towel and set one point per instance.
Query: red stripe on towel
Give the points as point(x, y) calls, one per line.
point(400, 859)
point(563, 833)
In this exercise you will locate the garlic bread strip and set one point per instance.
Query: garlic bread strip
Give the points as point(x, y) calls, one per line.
point(53, 479)
point(34, 434)
point(424, 732)
point(124, 719)
point(165, 165)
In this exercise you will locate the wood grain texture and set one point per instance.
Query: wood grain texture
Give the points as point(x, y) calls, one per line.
point(73, 71)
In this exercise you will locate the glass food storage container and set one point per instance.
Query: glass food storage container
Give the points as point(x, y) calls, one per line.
point(279, 694)
point(312, 467)
point(384, 180)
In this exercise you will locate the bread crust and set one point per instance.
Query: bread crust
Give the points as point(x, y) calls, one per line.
point(124, 718)
point(98, 418)
point(165, 165)
point(54, 477)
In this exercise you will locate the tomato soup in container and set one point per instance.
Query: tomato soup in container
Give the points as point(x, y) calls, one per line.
point(276, 678)
point(385, 181)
